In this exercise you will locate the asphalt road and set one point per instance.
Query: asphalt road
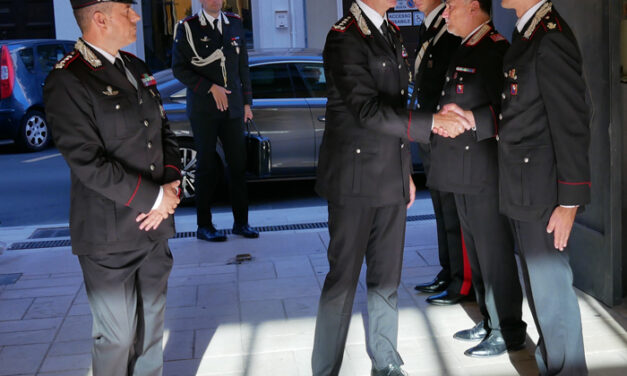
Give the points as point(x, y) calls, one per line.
point(35, 190)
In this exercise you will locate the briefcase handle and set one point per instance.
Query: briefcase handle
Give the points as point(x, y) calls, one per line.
point(250, 122)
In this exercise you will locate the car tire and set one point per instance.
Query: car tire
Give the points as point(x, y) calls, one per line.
point(34, 133)
point(188, 154)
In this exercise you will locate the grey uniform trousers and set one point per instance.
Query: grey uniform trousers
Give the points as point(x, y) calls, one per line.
point(549, 286)
point(379, 235)
point(127, 295)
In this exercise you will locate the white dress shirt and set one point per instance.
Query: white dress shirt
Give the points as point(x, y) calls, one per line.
point(429, 18)
point(522, 21)
point(211, 18)
point(372, 15)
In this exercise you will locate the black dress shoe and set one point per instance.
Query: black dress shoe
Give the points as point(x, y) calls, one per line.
point(437, 285)
point(210, 234)
point(475, 333)
point(445, 298)
point(492, 345)
point(390, 370)
point(245, 231)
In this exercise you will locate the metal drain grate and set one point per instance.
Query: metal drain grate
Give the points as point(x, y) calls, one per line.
point(9, 279)
point(52, 232)
point(192, 234)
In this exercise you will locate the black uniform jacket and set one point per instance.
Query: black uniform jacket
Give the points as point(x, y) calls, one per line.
point(544, 134)
point(469, 163)
point(429, 78)
point(200, 79)
point(118, 145)
point(365, 156)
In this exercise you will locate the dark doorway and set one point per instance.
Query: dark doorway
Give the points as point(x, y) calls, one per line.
point(26, 19)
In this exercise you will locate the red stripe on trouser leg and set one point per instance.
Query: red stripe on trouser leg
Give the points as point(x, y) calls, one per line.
point(467, 283)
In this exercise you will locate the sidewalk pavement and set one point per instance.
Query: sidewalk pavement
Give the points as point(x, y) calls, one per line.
point(257, 318)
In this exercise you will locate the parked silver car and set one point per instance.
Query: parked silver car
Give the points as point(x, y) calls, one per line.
point(289, 99)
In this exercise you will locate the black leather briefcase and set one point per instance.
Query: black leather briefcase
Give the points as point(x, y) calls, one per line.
point(258, 152)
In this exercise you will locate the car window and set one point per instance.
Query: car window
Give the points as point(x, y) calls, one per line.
point(271, 81)
point(48, 55)
point(27, 56)
point(313, 76)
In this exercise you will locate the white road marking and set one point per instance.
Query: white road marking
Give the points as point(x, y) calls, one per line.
point(42, 158)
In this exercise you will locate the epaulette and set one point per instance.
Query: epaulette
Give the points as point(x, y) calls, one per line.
point(67, 60)
point(343, 23)
point(232, 15)
point(479, 35)
point(496, 37)
point(188, 18)
point(539, 20)
point(550, 22)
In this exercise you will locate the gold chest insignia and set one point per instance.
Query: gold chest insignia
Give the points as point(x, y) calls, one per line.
point(551, 25)
point(110, 92)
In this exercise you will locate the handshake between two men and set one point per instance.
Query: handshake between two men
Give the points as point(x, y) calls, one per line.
point(452, 121)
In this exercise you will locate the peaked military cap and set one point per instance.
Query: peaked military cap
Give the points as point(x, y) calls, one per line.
point(77, 4)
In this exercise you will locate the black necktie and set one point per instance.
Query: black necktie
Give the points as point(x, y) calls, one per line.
point(422, 30)
point(386, 33)
point(516, 35)
point(215, 25)
point(120, 65)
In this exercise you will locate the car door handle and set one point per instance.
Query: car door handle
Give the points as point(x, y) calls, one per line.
point(322, 119)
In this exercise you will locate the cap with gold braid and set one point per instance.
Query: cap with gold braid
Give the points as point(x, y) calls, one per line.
point(77, 4)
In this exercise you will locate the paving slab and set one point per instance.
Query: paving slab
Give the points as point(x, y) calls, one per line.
point(258, 318)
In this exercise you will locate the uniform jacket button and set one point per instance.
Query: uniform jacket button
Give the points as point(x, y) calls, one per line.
point(402, 91)
point(497, 137)
point(402, 146)
point(145, 123)
point(443, 93)
point(152, 167)
point(500, 116)
point(400, 66)
point(117, 106)
point(467, 147)
point(505, 74)
point(149, 145)
point(448, 78)
point(358, 151)
point(438, 108)
point(503, 96)
point(526, 160)
point(383, 64)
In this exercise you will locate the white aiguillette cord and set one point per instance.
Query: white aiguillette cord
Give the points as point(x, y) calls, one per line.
point(199, 61)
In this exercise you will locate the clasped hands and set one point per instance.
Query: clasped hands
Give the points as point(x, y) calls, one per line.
point(452, 121)
point(169, 202)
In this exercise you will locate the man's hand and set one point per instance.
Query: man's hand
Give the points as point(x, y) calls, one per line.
point(220, 95)
point(169, 202)
point(450, 124)
point(560, 225)
point(470, 117)
point(412, 192)
point(248, 113)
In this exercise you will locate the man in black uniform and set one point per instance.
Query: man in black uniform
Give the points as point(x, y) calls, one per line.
point(468, 166)
point(545, 173)
point(435, 50)
point(209, 56)
point(365, 173)
point(108, 122)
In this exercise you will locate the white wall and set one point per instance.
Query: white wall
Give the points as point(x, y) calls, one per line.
point(321, 15)
point(66, 27)
point(265, 31)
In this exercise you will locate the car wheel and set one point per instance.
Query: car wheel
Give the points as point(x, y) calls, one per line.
point(188, 154)
point(188, 171)
point(34, 132)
